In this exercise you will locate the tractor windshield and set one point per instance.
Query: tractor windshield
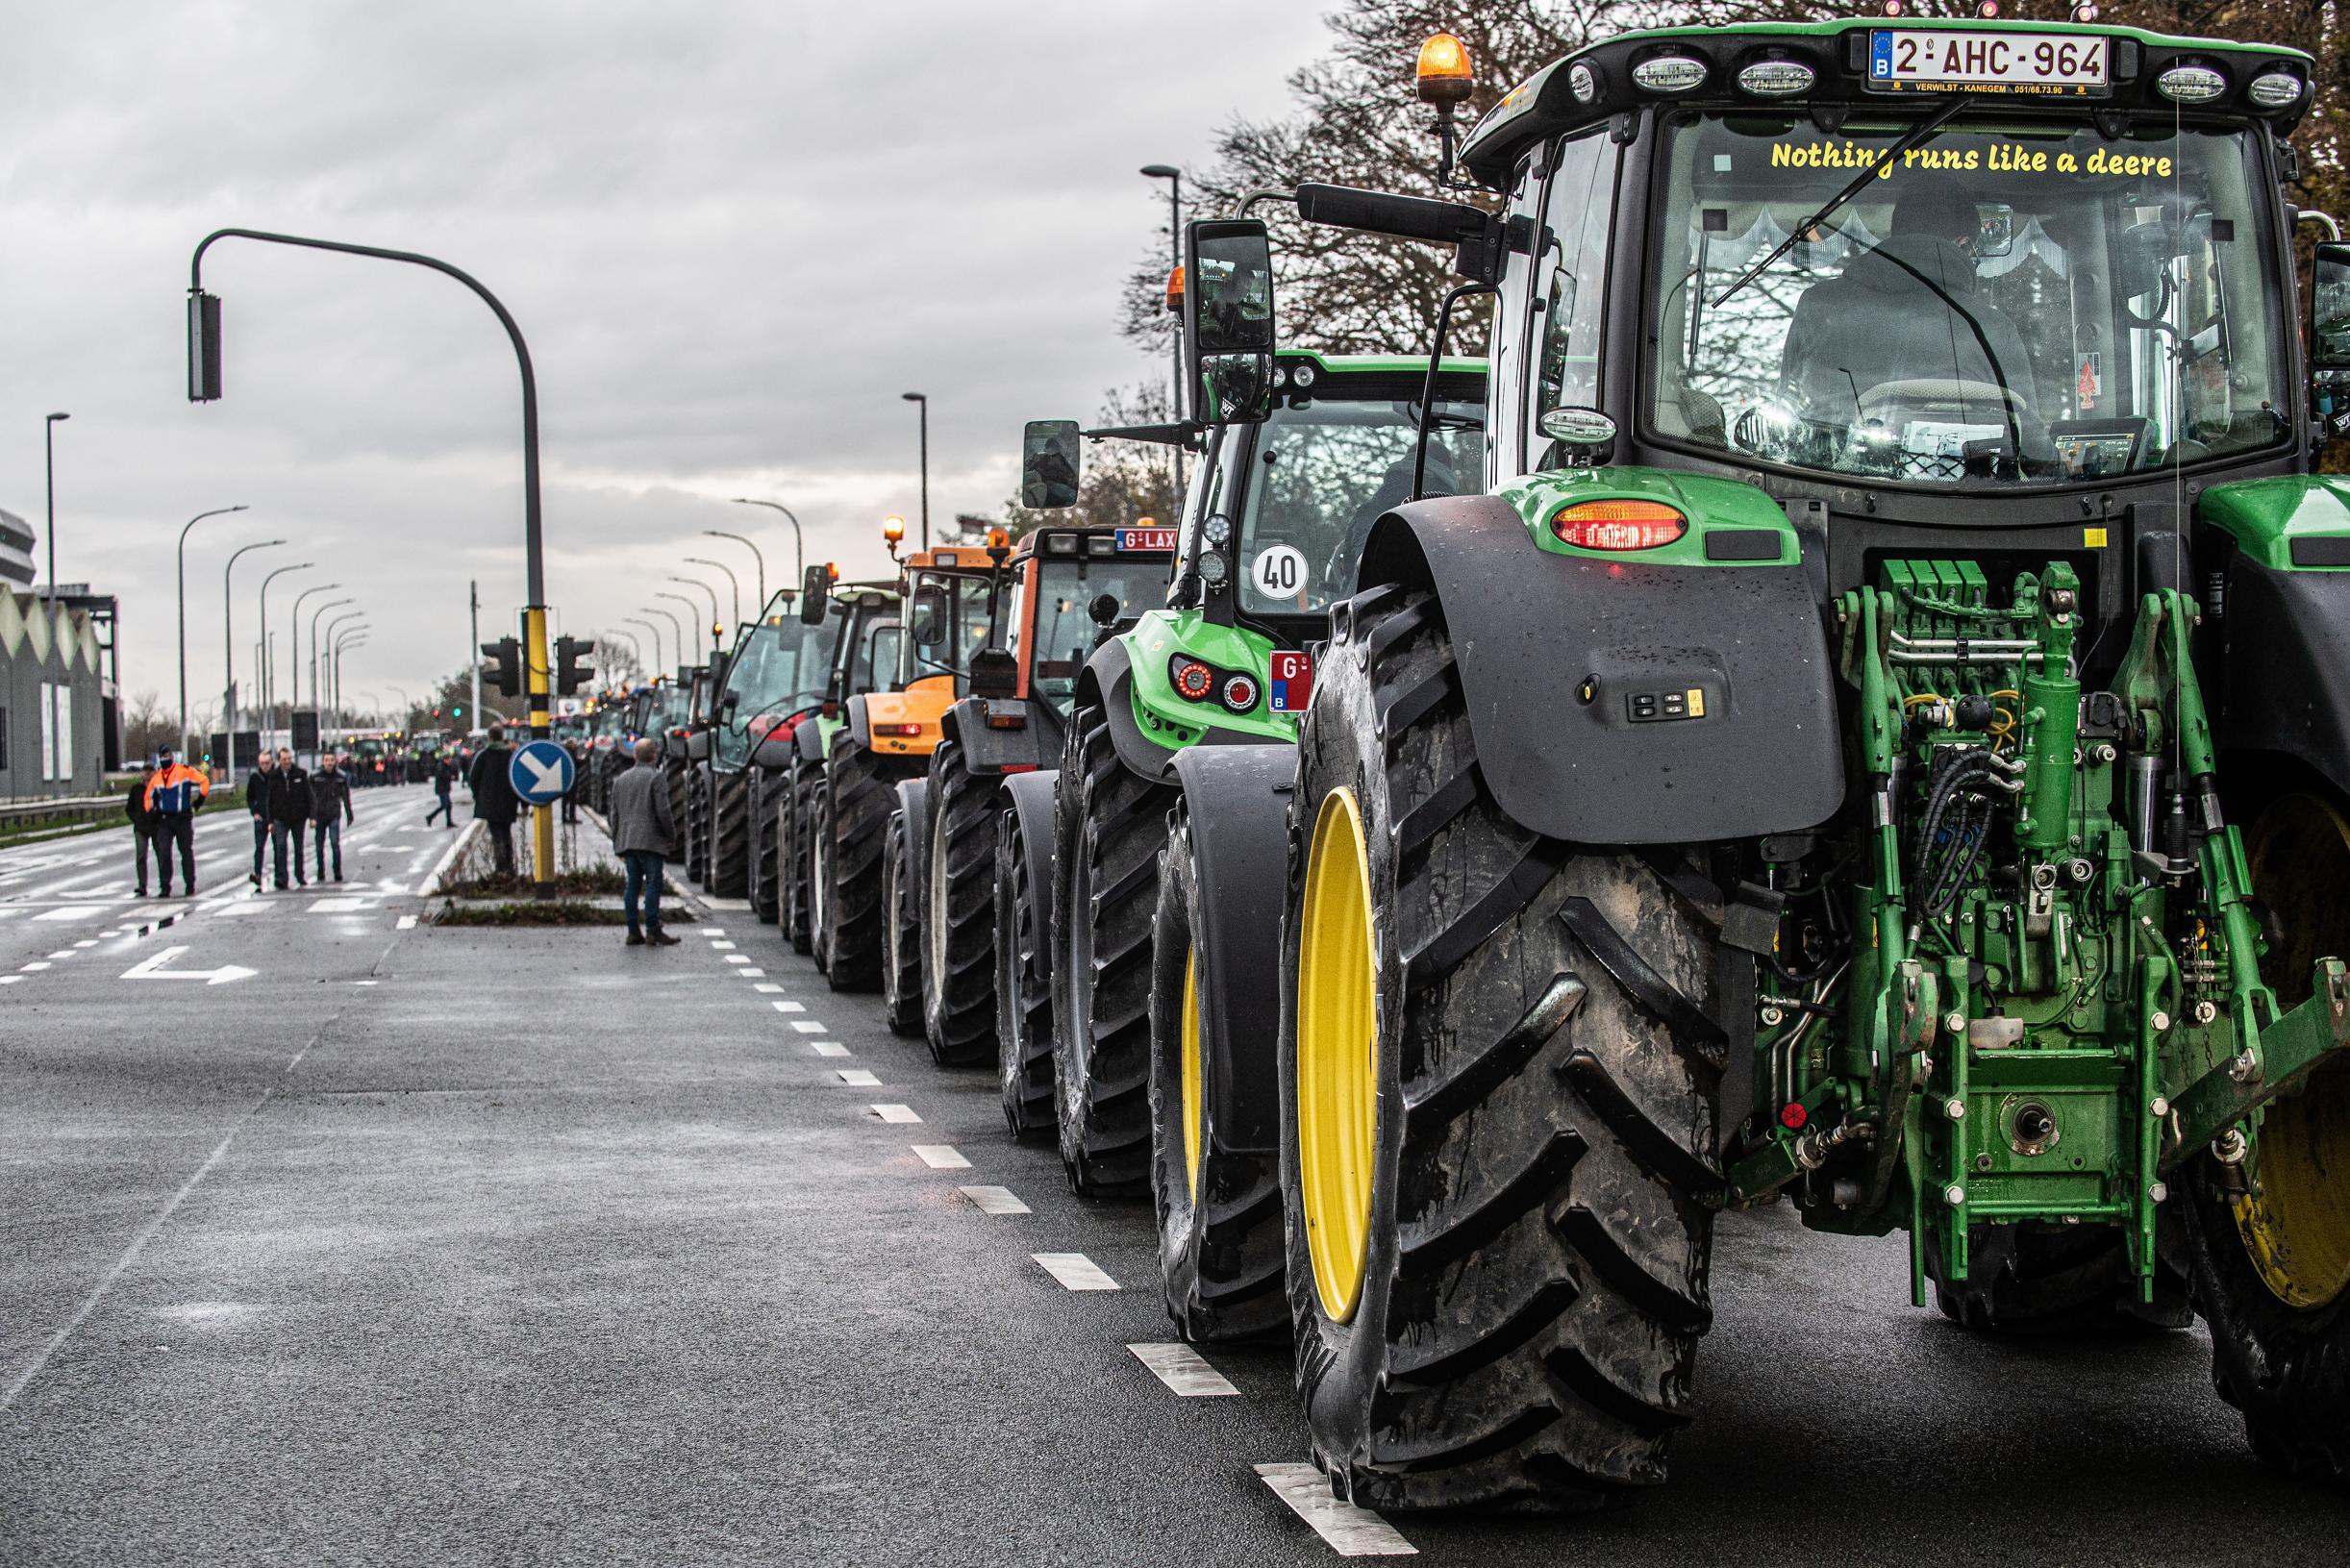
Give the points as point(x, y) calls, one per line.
point(947, 617)
point(1323, 473)
point(779, 667)
point(1063, 638)
point(2007, 306)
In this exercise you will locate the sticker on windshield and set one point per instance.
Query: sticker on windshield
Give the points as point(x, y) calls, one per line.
point(1997, 157)
point(1279, 571)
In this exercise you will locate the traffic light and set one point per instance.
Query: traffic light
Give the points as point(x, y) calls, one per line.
point(203, 347)
point(571, 671)
point(505, 665)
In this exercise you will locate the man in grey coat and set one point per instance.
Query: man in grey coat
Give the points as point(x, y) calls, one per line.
point(644, 833)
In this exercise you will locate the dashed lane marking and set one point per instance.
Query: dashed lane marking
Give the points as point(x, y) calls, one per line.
point(941, 1157)
point(1184, 1370)
point(736, 958)
point(1075, 1270)
point(829, 1048)
point(87, 941)
point(73, 912)
point(858, 1077)
point(408, 922)
point(788, 1006)
point(1348, 1531)
point(339, 903)
point(722, 947)
point(808, 1025)
point(711, 930)
point(63, 952)
point(10, 980)
point(896, 1113)
point(766, 987)
point(33, 968)
point(750, 974)
point(994, 1199)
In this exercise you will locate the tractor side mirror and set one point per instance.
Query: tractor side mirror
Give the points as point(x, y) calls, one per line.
point(994, 673)
point(1049, 463)
point(2330, 335)
point(816, 594)
point(1228, 320)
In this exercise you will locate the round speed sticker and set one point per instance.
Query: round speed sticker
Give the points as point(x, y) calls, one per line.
point(1279, 571)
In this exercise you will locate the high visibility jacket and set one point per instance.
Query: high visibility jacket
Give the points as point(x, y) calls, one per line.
point(176, 790)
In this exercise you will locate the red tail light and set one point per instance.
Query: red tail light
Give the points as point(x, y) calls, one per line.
point(1193, 680)
point(1618, 525)
point(900, 730)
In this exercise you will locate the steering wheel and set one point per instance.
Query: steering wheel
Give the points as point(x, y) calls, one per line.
point(1950, 395)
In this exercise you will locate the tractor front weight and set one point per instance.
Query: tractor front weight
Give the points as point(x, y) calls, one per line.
point(2026, 986)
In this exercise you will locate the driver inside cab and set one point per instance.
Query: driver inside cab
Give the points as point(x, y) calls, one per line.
point(1906, 312)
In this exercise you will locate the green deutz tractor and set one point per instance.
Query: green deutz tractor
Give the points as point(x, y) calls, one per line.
point(1880, 742)
point(1271, 527)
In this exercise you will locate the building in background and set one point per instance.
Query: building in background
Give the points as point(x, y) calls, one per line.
point(57, 693)
point(16, 541)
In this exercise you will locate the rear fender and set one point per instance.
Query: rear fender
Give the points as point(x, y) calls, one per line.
point(913, 800)
point(1552, 647)
point(2285, 684)
point(987, 750)
point(1029, 798)
point(1237, 801)
point(1148, 738)
point(697, 746)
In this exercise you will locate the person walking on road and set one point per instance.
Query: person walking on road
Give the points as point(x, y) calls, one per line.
point(579, 781)
point(143, 826)
point(444, 780)
point(494, 800)
point(289, 811)
point(330, 808)
point(644, 831)
point(258, 786)
point(173, 795)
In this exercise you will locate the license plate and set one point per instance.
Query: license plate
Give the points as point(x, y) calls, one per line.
point(1146, 538)
point(1292, 681)
point(1914, 59)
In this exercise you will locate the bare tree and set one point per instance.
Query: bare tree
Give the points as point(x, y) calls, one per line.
point(1123, 482)
point(146, 725)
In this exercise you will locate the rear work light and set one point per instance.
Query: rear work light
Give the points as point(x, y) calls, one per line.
point(1240, 692)
point(1194, 679)
point(1618, 525)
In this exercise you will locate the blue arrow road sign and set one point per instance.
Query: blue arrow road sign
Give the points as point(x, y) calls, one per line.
point(540, 772)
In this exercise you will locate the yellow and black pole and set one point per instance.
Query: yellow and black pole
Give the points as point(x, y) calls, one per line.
point(536, 684)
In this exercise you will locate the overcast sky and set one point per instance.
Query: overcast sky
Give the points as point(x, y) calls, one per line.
point(732, 233)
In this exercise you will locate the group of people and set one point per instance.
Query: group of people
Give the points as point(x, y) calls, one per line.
point(283, 798)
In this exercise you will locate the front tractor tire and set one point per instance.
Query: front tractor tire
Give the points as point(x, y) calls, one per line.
point(959, 912)
point(797, 854)
point(901, 980)
point(1497, 1154)
point(1024, 988)
point(852, 815)
point(767, 796)
point(730, 834)
point(1108, 826)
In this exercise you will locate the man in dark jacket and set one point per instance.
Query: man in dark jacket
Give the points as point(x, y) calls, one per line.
point(444, 780)
point(1909, 310)
point(330, 808)
point(173, 795)
point(493, 797)
point(644, 833)
point(289, 811)
point(257, 784)
point(143, 826)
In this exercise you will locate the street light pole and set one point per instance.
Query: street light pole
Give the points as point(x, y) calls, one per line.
point(228, 646)
point(922, 399)
point(799, 545)
point(293, 650)
point(330, 603)
point(269, 675)
point(677, 630)
point(350, 637)
point(217, 511)
point(204, 386)
point(48, 447)
point(694, 611)
point(636, 649)
point(656, 632)
point(734, 588)
point(715, 534)
point(353, 618)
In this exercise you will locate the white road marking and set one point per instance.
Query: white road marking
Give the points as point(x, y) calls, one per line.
point(63, 952)
point(787, 1007)
point(713, 931)
point(941, 1157)
point(858, 1077)
point(896, 1113)
point(766, 987)
point(736, 958)
point(408, 922)
point(341, 904)
point(829, 1048)
point(152, 967)
point(730, 904)
point(1075, 1270)
point(994, 1199)
point(233, 907)
point(1184, 1370)
point(87, 941)
point(750, 974)
point(1348, 1531)
point(722, 947)
point(10, 980)
point(808, 1025)
point(116, 931)
point(33, 968)
point(73, 912)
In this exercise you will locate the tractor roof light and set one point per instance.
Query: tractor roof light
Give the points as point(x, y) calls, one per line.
point(1583, 82)
point(2275, 90)
point(1107, 544)
point(1062, 545)
point(1777, 78)
point(2190, 83)
point(1174, 301)
point(1618, 525)
point(1444, 73)
point(1670, 74)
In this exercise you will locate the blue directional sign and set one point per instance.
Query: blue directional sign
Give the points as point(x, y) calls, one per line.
point(541, 773)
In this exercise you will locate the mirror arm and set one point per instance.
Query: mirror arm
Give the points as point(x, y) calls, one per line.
point(1428, 389)
point(1185, 434)
point(1270, 194)
point(2310, 215)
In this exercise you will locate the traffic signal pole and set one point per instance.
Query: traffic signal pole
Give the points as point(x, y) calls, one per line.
point(474, 593)
point(204, 381)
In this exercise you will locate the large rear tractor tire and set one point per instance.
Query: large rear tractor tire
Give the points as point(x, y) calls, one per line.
point(2270, 1239)
point(1109, 827)
point(959, 912)
point(766, 893)
point(2058, 1281)
point(1221, 1251)
point(1024, 988)
point(1498, 1156)
point(901, 977)
point(730, 834)
point(796, 854)
point(856, 800)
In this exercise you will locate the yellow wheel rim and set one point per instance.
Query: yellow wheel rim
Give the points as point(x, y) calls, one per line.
point(1191, 1123)
point(2296, 1223)
point(1338, 1053)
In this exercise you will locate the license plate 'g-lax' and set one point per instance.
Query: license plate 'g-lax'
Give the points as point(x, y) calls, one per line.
point(1914, 59)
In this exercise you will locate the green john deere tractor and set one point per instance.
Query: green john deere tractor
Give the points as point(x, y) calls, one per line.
point(1878, 742)
point(1272, 523)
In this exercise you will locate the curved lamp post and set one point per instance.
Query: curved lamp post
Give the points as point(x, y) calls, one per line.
point(216, 512)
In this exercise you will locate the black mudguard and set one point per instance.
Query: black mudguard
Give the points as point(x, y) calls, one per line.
point(775, 750)
point(1028, 797)
point(2286, 683)
point(1553, 648)
point(808, 741)
point(987, 750)
point(1109, 679)
point(697, 746)
point(1237, 802)
point(913, 799)
point(859, 727)
point(673, 748)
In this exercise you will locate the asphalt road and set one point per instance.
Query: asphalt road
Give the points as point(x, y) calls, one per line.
point(465, 1246)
